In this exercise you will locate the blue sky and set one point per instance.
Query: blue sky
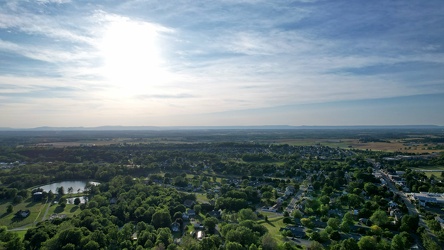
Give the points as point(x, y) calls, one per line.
point(227, 62)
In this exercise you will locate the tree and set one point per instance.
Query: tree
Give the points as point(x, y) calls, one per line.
point(207, 243)
point(61, 191)
point(370, 188)
point(70, 190)
point(287, 220)
point(242, 235)
point(164, 236)
point(354, 200)
point(206, 185)
point(9, 209)
point(253, 247)
point(349, 244)
point(306, 222)
point(376, 230)
point(440, 236)
point(429, 243)
point(434, 225)
point(210, 223)
point(324, 199)
point(197, 208)
point(315, 246)
point(91, 245)
point(409, 223)
point(397, 243)
point(50, 195)
point(77, 201)
point(246, 214)
point(267, 195)
point(15, 243)
point(161, 218)
point(268, 242)
point(379, 218)
point(335, 235)
point(233, 246)
point(334, 223)
point(367, 243)
point(297, 214)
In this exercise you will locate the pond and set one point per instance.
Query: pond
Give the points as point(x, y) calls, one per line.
point(77, 186)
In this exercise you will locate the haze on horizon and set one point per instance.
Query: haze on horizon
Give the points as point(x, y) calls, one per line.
point(67, 63)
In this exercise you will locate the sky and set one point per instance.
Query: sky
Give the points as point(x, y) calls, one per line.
point(67, 63)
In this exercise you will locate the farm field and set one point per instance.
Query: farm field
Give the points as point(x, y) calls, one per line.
point(390, 146)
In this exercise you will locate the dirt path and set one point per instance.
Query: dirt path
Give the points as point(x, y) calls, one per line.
point(46, 211)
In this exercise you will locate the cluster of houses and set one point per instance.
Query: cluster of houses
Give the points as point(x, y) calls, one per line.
point(410, 157)
point(9, 165)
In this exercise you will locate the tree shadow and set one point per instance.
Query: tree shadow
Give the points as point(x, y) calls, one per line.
point(73, 209)
point(17, 219)
point(59, 209)
point(4, 214)
point(270, 223)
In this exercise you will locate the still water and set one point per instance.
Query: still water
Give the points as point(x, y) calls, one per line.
point(77, 186)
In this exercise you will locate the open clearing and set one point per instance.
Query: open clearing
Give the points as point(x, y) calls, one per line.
point(11, 221)
point(389, 146)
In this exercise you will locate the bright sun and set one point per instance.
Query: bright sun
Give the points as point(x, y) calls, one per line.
point(132, 57)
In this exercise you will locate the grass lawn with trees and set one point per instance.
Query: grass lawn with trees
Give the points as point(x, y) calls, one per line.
point(273, 225)
point(69, 210)
point(9, 219)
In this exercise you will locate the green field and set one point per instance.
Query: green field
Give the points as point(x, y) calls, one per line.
point(9, 220)
point(69, 210)
point(425, 170)
point(273, 225)
point(202, 198)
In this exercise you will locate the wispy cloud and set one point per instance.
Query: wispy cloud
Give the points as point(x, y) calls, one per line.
point(215, 56)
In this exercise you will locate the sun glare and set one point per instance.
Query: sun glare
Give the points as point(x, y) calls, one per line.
point(131, 54)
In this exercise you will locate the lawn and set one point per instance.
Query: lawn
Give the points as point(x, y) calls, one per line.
point(69, 210)
point(21, 233)
point(10, 221)
point(273, 225)
point(428, 171)
point(201, 197)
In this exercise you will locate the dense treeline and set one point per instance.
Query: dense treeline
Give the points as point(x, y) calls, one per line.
point(140, 218)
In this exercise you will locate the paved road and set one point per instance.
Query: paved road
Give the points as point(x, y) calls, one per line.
point(410, 207)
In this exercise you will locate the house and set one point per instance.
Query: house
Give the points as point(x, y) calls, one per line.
point(191, 212)
point(392, 204)
point(216, 213)
point(200, 235)
point(22, 213)
point(297, 232)
point(185, 216)
point(175, 227)
point(189, 203)
point(364, 221)
point(198, 226)
point(134, 236)
point(440, 220)
point(289, 190)
point(37, 196)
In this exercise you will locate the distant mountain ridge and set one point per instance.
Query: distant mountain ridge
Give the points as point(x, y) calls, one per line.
point(259, 127)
